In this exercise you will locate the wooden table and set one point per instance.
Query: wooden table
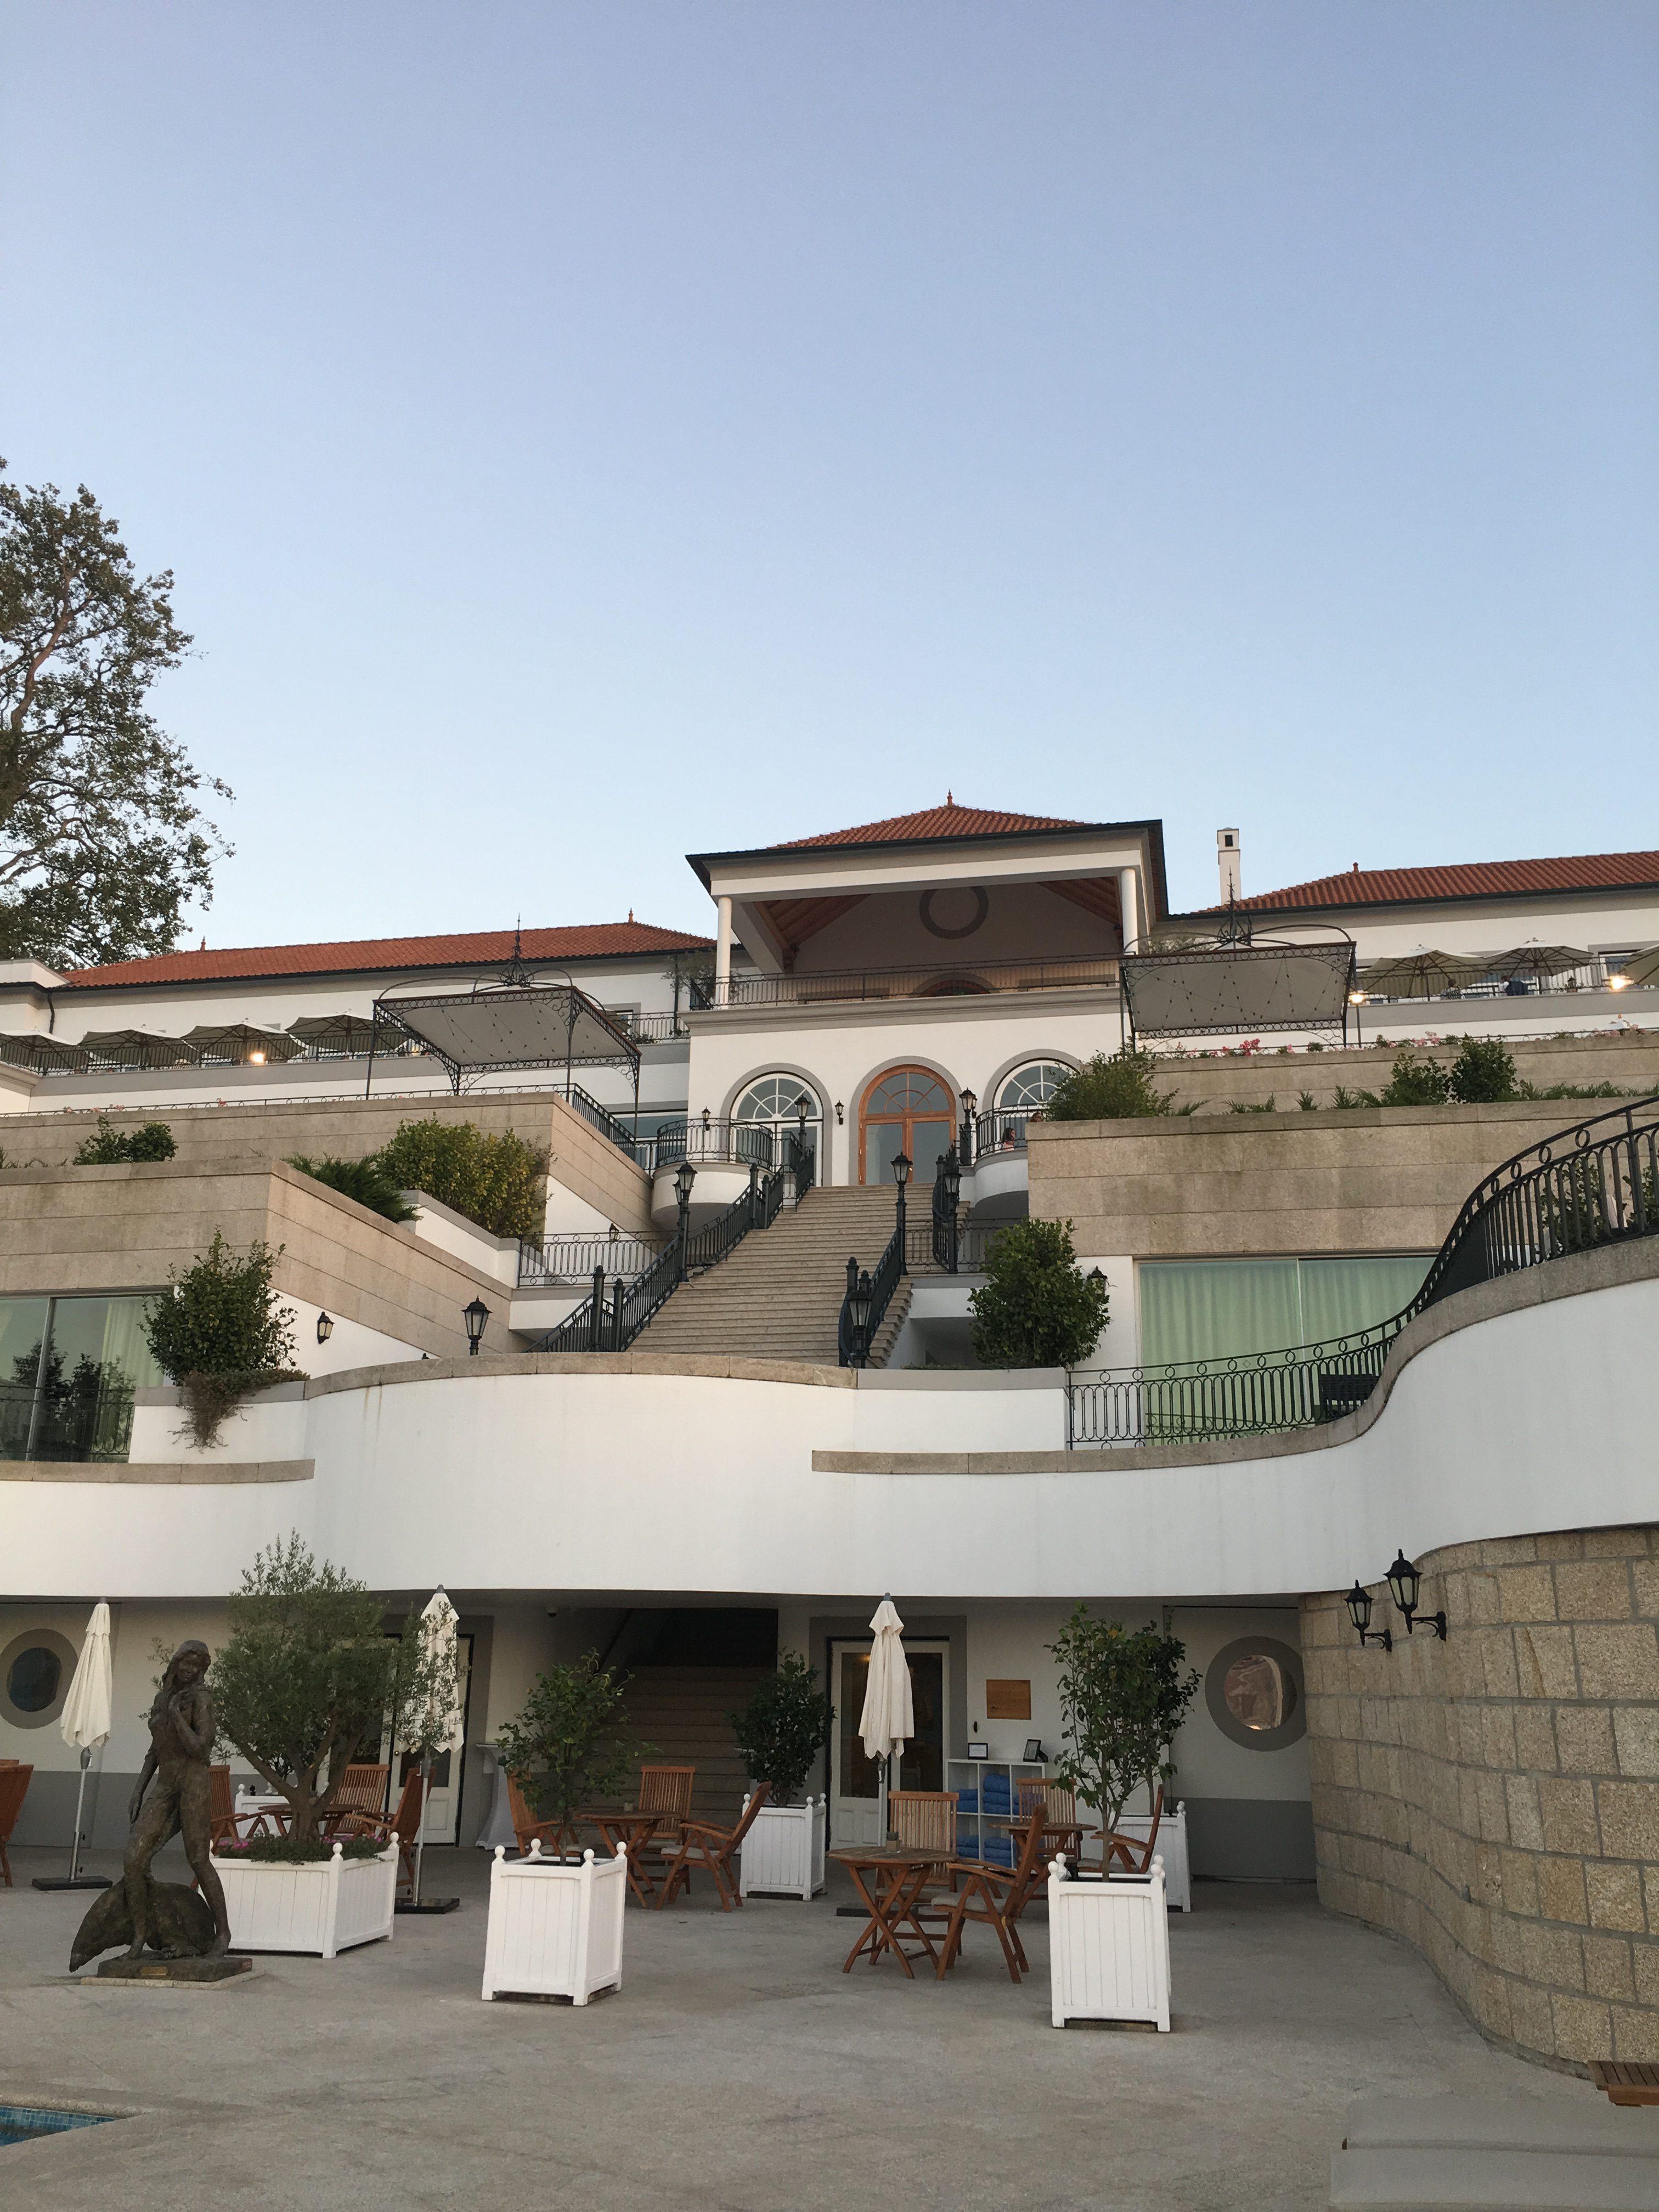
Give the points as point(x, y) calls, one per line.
point(896, 1879)
point(632, 1832)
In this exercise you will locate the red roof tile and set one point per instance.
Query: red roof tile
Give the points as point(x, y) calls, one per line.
point(1589, 871)
point(947, 821)
point(484, 948)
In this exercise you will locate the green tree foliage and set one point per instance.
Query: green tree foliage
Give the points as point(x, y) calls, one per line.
point(1483, 1073)
point(1122, 1696)
point(101, 841)
point(1416, 1083)
point(1037, 1308)
point(784, 1726)
point(365, 1180)
point(1115, 1089)
point(499, 1183)
point(309, 1677)
point(564, 1748)
point(110, 1147)
point(219, 1331)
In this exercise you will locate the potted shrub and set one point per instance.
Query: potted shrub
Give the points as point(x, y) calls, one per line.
point(1122, 1694)
point(780, 1732)
point(556, 1918)
point(307, 1683)
point(220, 1332)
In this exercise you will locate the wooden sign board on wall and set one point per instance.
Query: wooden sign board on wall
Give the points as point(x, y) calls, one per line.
point(1007, 1701)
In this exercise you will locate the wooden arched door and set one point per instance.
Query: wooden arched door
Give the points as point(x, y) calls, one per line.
point(907, 1109)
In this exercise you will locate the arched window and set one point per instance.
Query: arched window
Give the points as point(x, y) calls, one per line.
point(773, 1101)
point(909, 1110)
point(1030, 1087)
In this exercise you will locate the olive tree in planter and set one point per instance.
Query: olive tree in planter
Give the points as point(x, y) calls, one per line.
point(307, 1682)
point(780, 1732)
point(565, 1748)
point(220, 1332)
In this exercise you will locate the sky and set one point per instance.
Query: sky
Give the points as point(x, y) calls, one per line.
point(583, 435)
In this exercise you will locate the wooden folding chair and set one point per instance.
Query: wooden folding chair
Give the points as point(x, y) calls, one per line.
point(702, 1845)
point(405, 1824)
point(667, 1790)
point(920, 1818)
point(528, 1826)
point(14, 1788)
point(997, 1896)
point(362, 1789)
point(1133, 1855)
point(222, 1808)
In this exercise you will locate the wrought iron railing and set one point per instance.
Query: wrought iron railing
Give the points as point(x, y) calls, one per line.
point(1587, 1186)
point(620, 1135)
point(707, 1142)
point(926, 1248)
point(802, 1161)
point(610, 1320)
point(1003, 1131)
point(573, 1259)
point(941, 981)
point(863, 1307)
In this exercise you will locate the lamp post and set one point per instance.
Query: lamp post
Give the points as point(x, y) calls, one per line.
point(1359, 1612)
point(686, 1175)
point(901, 1166)
point(474, 1316)
point(861, 1297)
point(970, 1101)
point(947, 1196)
point(1404, 1583)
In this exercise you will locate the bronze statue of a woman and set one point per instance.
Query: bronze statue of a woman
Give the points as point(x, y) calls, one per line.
point(181, 1733)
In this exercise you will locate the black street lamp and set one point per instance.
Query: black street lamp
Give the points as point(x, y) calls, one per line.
point(1404, 1583)
point(950, 1175)
point(901, 1166)
point(970, 1101)
point(1359, 1612)
point(861, 1298)
point(685, 1177)
point(324, 1327)
point(474, 1316)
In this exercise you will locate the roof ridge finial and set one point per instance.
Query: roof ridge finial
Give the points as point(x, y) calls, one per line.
point(950, 799)
point(517, 976)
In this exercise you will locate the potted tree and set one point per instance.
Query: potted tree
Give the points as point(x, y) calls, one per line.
point(306, 1682)
point(780, 1732)
point(556, 1920)
point(1122, 1696)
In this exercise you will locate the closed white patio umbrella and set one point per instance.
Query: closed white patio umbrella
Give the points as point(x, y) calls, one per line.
point(85, 1723)
point(889, 1719)
point(435, 1723)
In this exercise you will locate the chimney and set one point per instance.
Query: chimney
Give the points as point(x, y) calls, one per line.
point(1226, 853)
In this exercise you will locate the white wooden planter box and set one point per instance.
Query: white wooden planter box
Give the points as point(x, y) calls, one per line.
point(324, 1907)
point(555, 1928)
point(1172, 1849)
point(1108, 1947)
point(783, 1853)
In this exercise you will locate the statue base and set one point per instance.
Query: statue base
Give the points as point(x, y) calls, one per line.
point(225, 1969)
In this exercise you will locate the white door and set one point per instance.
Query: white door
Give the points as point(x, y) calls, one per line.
point(854, 1807)
point(443, 1804)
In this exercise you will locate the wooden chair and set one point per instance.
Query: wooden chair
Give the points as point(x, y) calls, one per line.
point(405, 1824)
point(222, 1808)
point(997, 1896)
point(667, 1790)
point(1133, 1855)
point(919, 1820)
point(14, 1788)
point(528, 1828)
point(702, 1845)
point(362, 1789)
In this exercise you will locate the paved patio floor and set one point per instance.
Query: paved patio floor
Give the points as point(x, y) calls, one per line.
point(737, 2067)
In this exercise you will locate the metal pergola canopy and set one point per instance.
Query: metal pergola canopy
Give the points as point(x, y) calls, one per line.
point(500, 1031)
point(1238, 989)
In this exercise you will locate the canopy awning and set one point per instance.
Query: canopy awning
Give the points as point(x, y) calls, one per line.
point(138, 1049)
point(1238, 990)
point(497, 1031)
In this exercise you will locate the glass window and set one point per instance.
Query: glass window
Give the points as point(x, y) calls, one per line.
point(1226, 1308)
point(77, 1403)
point(775, 1103)
point(1340, 1297)
point(909, 1091)
point(1028, 1088)
point(33, 1678)
point(1259, 1691)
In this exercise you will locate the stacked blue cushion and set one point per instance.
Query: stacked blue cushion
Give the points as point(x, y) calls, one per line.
point(998, 1795)
point(967, 1801)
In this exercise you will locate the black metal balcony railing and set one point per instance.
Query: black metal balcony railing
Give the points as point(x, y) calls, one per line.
point(1587, 1186)
point(927, 1246)
point(941, 980)
point(708, 1142)
point(1003, 1131)
point(573, 1259)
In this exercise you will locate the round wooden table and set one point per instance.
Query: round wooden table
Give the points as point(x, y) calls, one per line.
point(890, 1879)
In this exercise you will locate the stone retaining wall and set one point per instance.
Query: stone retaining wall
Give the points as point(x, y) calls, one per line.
point(1494, 1799)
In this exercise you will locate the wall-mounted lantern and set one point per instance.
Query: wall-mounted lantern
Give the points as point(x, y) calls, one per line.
point(474, 1316)
point(1404, 1583)
point(1359, 1612)
point(325, 1328)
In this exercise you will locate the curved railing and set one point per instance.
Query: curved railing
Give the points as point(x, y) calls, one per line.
point(711, 1143)
point(1003, 1130)
point(1587, 1186)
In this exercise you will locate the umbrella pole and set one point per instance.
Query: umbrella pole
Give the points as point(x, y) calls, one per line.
point(80, 1799)
point(420, 1825)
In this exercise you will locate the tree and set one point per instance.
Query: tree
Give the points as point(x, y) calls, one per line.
point(309, 1677)
point(499, 1183)
point(219, 1331)
point(1483, 1073)
point(563, 1749)
point(1122, 1697)
point(109, 1147)
point(101, 841)
point(1118, 1089)
point(1416, 1083)
point(784, 1726)
point(1037, 1308)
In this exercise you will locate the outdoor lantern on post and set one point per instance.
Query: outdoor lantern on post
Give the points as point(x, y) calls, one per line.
point(684, 1176)
point(970, 1101)
point(474, 1316)
point(802, 1108)
point(861, 1298)
point(901, 1166)
point(325, 1328)
point(1359, 1612)
point(1404, 1583)
point(949, 1175)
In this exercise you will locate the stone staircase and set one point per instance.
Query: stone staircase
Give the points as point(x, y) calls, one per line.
point(779, 1295)
point(682, 1712)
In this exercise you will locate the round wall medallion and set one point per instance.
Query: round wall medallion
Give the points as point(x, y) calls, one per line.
point(36, 1670)
point(954, 913)
point(1252, 1688)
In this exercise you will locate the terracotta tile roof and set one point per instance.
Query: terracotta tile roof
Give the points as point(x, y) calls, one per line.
point(947, 821)
point(484, 948)
point(1589, 871)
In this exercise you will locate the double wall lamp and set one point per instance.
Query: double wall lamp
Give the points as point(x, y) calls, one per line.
point(1404, 1584)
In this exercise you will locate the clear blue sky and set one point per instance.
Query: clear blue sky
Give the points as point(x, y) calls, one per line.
point(586, 434)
